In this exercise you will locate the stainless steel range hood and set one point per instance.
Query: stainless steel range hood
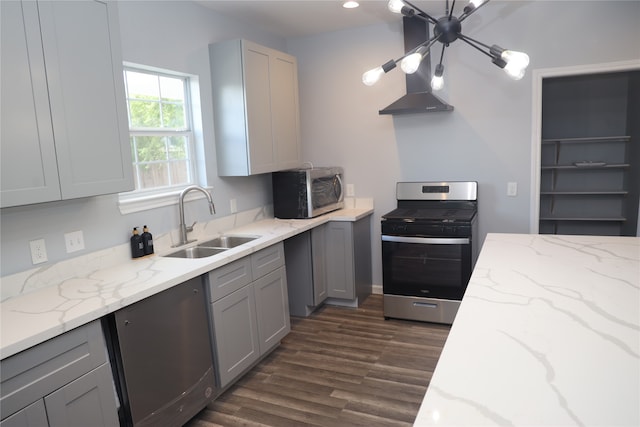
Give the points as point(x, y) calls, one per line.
point(419, 98)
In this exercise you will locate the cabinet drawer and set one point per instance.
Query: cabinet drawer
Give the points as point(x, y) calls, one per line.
point(229, 278)
point(38, 371)
point(267, 260)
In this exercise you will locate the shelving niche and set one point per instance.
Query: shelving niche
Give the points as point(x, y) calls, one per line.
point(590, 157)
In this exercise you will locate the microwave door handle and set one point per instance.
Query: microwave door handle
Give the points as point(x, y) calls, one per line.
point(341, 196)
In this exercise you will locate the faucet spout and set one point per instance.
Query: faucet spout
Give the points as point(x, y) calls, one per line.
point(184, 229)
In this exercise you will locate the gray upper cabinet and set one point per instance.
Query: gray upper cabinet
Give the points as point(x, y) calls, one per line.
point(255, 99)
point(64, 121)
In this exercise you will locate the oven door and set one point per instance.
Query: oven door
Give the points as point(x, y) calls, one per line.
point(430, 267)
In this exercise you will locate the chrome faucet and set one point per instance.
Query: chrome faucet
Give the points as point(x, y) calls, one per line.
point(184, 229)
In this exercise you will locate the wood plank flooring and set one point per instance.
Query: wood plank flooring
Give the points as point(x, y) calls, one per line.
point(338, 367)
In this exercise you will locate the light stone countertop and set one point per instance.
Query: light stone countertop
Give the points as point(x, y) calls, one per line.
point(548, 333)
point(51, 300)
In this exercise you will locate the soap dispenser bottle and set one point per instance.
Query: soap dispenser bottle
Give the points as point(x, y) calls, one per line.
point(147, 241)
point(137, 247)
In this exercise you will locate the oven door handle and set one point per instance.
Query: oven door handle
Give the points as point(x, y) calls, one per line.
point(427, 240)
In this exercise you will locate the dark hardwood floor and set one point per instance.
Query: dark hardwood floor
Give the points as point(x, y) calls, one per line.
point(338, 367)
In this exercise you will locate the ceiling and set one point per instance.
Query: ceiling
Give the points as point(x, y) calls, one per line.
point(291, 19)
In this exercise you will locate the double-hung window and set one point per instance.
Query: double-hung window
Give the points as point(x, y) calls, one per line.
point(161, 133)
point(160, 129)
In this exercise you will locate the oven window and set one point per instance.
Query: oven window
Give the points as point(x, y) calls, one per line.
point(429, 270)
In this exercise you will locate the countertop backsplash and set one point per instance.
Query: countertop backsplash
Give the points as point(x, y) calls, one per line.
point(81, 266)
point(54, 274)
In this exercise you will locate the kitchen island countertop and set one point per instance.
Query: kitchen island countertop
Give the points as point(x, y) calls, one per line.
point(63, 301)
point(548, 333)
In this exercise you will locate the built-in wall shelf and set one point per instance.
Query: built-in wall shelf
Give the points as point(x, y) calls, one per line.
point(590, 154)
point(584, 140)
point(594, 165)
point(583, 193)
point(601, 219)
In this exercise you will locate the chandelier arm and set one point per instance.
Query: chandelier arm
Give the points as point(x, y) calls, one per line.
point(429, 17)
point(444, 46)
point(471, 42)
point(475, 44)
point(453, 5)
point(466, 14)
point(426, 44)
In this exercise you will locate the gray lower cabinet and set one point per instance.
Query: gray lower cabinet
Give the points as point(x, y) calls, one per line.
point(306, 270)
point(249, 311)
point(65, 381)
point(348, 259)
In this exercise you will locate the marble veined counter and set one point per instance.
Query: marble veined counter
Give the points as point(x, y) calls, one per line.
point(548, 333)
point(44, 302)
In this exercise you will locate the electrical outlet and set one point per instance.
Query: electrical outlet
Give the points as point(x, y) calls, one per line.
point(234, 206)
point(38, 251)
point(350, 190)
point(74, 241)
point(512, 189)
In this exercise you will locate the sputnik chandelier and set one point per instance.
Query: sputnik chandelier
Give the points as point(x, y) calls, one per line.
point(447, 29)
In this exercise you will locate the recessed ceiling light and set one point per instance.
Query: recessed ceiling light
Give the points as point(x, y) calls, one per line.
point(350, 4)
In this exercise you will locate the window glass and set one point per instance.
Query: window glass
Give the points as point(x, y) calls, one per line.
point(160, 129)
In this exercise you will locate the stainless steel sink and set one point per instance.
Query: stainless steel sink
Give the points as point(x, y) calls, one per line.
point(212, 247)
point(196, 252)
point(226, 242)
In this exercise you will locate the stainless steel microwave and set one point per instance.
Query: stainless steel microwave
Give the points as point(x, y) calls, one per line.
point(306, 193)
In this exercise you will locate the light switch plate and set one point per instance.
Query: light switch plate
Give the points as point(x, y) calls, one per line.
point(351, 192)
point(512, 189)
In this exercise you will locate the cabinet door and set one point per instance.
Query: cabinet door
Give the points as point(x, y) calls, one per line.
point(272, 308)
point(29, 172)
point(236, 334)
point(87, 401)
point(340, 261)
point(318, 256)
point(258, 98)
point(86, 90)
point(33, 415)
point(284, 110)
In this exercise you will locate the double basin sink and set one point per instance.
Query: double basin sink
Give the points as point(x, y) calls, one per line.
point(212, 247)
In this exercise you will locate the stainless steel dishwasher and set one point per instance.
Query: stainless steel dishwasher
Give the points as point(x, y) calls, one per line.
point(161, 349)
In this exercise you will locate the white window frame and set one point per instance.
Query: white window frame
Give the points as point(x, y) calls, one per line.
point(145, 199)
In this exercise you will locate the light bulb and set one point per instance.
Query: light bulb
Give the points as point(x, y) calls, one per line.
point(395, 6)
point(517, 63)
point(411, 63)
point(437, 81)
point(473, 5)
point(350, 4)
point(372, 76)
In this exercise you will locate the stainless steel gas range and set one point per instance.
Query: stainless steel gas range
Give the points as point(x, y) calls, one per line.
point(429, 248)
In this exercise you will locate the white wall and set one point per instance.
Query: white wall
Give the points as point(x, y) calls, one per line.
point(169, 34)
point(487, 138)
